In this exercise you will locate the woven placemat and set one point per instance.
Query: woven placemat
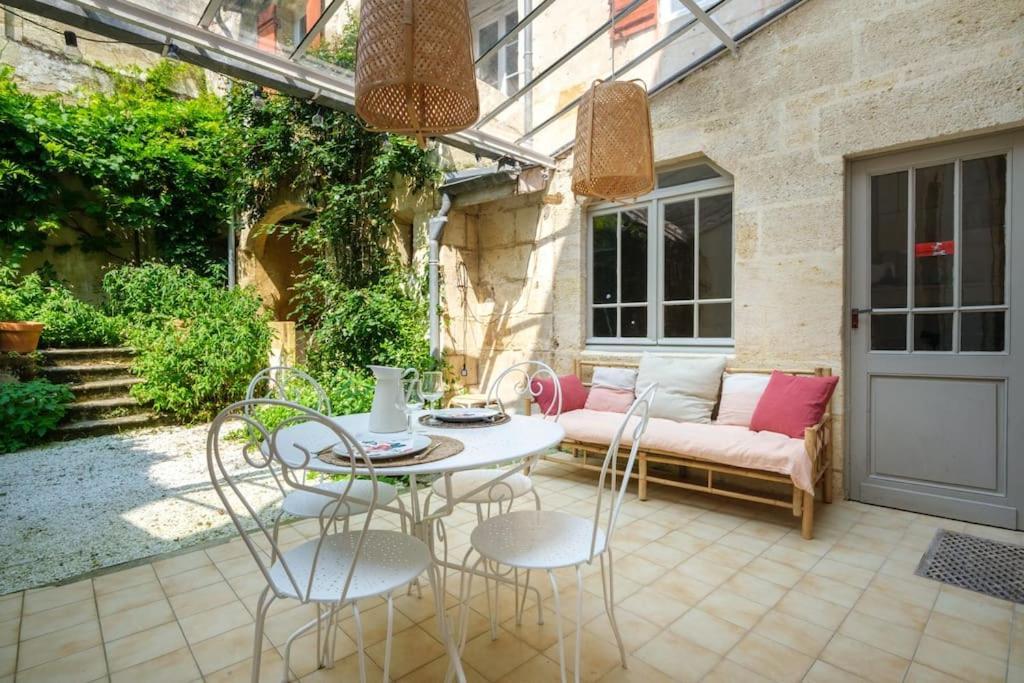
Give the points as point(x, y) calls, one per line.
point(440, 447)
point(429, 420)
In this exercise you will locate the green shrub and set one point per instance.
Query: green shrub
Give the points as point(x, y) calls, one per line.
point(20, 301)
point(383, 324)
point(198, 347)
point(30, 410)
point(70, 322)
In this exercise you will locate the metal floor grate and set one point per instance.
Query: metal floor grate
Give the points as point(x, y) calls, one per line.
point(977, 564)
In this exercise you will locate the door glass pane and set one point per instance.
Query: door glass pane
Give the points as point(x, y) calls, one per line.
point(889, 240)
point(679, 320)
point(888, 333)
point(933, 236)
point(715, 265)
point(983, 231)
point(605, 259)
point(679, 252)
point(634, 321)
point(933, 332)
point(606, 322)
point(634, 255)
point(715, 320)
point(983, 331)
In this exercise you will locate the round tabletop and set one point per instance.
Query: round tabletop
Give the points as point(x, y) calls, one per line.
point(484, 446)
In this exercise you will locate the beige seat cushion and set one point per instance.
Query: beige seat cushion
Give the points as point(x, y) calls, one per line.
point(687, 385)
point(723, 444)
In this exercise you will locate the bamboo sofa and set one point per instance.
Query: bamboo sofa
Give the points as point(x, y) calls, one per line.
point(718, 476)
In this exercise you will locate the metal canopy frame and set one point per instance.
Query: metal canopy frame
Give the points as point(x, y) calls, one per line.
point(295, 73)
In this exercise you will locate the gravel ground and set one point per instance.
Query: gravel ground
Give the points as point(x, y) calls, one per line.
point(73, 507)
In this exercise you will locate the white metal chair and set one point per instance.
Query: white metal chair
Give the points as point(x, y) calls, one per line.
point(333, 570)
point(471, 486)
point(293, 386)
point(549, 540)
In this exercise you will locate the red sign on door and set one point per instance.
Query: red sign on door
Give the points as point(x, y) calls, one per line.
point(926, 249)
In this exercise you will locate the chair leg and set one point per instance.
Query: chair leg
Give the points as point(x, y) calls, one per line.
point(558, 624)
point(807, 520)
point(302, 630)
point(387, 638)
point(359, 643)
point(608, 588)
point(262, 607)
point(579, 622)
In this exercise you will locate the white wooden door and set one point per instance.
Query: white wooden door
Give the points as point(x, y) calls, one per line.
point(936, 365)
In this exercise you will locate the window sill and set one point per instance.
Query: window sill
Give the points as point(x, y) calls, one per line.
point(725, 348)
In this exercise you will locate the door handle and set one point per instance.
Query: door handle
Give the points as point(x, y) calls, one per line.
point(855, 314)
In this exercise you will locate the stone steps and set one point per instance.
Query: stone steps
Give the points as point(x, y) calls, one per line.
point(101, 381)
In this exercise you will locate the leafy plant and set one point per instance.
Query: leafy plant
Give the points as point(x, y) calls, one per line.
point(29, 411)
point(155, 290)
point(69, 322)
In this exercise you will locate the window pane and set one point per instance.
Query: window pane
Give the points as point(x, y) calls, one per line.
point(715, 320)
point(605, 259)
point(487, 70)
point(933, 332)
point(983, 331)
point(889, 240)
point(606, 322)
point(888, 333)
point(678, 321)
point(983, 231)
point(690, 174)
point(634, 255)
point(678, 250)
point(511, 74)
point(634, 321)
point(715, 266)
point(933, 236)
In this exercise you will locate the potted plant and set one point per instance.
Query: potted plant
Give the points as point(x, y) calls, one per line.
point(17, 332)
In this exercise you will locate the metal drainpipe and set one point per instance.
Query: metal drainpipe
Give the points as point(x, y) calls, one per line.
point(231, 251)
point(435, 228)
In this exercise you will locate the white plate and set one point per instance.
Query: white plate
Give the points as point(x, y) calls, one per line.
point(465, 414)
point(385, 447)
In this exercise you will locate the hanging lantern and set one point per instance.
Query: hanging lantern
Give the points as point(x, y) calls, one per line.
point(613, 156)
point(414, 67)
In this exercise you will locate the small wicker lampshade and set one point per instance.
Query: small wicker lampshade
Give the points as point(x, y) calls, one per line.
point(614, 157)
point(414, 67)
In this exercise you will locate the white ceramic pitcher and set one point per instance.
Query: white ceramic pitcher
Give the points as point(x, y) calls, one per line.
point(388, 411)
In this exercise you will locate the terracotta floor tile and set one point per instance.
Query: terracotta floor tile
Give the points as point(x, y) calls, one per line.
point(59, 644)
point(793, 632)
point(10, 606)
point(173, 667)
point(815, 610)
point(128, 598)
point(633, 628)
point(770, 659)
point(9, 631)
point(180, 563)
point(129, 621)
point(959, 661)
point(414, 647)
point(271, 667)
point(659, 608)
point(732, 607)
point(854, 656)
point(708, 631)
point(899, 640)
point(919, 673)
point(58, 618)
point(191, 579)
point(8, 659)
point(144, 646)
point(677, 657)
point(213, 622)
point(81, 667)
point(125, 578)
point(823, 672)
point(42, 599)
point(225, 649)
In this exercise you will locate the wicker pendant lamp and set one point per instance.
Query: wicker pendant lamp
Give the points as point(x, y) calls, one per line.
point(414, 67)
point(613, 156)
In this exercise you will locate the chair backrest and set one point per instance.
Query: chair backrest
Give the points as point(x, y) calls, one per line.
point(524, 379)
point(289, 384)
point(232, 466)
point(635, 422)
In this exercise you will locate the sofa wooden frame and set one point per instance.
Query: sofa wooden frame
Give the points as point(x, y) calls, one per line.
point(817, 443)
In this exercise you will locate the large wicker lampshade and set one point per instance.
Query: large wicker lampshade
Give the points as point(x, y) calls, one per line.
point(613, 156)
point(414, 67)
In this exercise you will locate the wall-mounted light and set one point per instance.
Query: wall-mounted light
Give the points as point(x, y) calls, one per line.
point(259, 101)
point(172, 52)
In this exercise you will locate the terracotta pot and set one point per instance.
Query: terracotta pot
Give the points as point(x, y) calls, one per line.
point(20, 337)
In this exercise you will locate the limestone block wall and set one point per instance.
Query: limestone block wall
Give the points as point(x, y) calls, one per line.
point(830, 82)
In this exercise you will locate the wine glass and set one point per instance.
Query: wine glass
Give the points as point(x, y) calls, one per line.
point(431, 386)
point(413, 401)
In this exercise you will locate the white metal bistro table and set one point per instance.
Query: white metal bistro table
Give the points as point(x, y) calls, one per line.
point(512, 443)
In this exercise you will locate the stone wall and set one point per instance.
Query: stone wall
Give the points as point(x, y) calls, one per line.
point(831, 81)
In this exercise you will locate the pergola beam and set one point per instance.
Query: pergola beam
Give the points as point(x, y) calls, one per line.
point(514, 31)
point(152, 30)
point(710, 23)
point(318, 27)
point(212, 8)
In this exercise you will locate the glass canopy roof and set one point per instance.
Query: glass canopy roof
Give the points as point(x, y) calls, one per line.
point(534, 58)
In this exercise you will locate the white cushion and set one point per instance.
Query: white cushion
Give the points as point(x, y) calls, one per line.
point(740, 394)
point(687, 385)
point(614, 378)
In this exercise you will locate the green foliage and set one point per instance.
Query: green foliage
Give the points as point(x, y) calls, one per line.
point(197, 348)
point(383, 324)
point(139, 162)
point(68, 321)
point(20, 300)
point(29, 411)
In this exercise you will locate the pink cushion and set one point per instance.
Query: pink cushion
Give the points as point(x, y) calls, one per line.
point(609, 399)
point(728, 445)
point(574, 394)
point(740, 394)
point(791, 403)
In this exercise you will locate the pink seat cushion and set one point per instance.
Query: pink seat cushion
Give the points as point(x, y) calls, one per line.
point(609, 399)
point(724, 444)
point(574, 394)
point(791, 403)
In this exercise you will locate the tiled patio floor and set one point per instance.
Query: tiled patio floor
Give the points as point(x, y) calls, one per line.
point(707, 589)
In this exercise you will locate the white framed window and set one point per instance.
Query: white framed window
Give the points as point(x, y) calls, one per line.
point(501, 69)
point(661, 269)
